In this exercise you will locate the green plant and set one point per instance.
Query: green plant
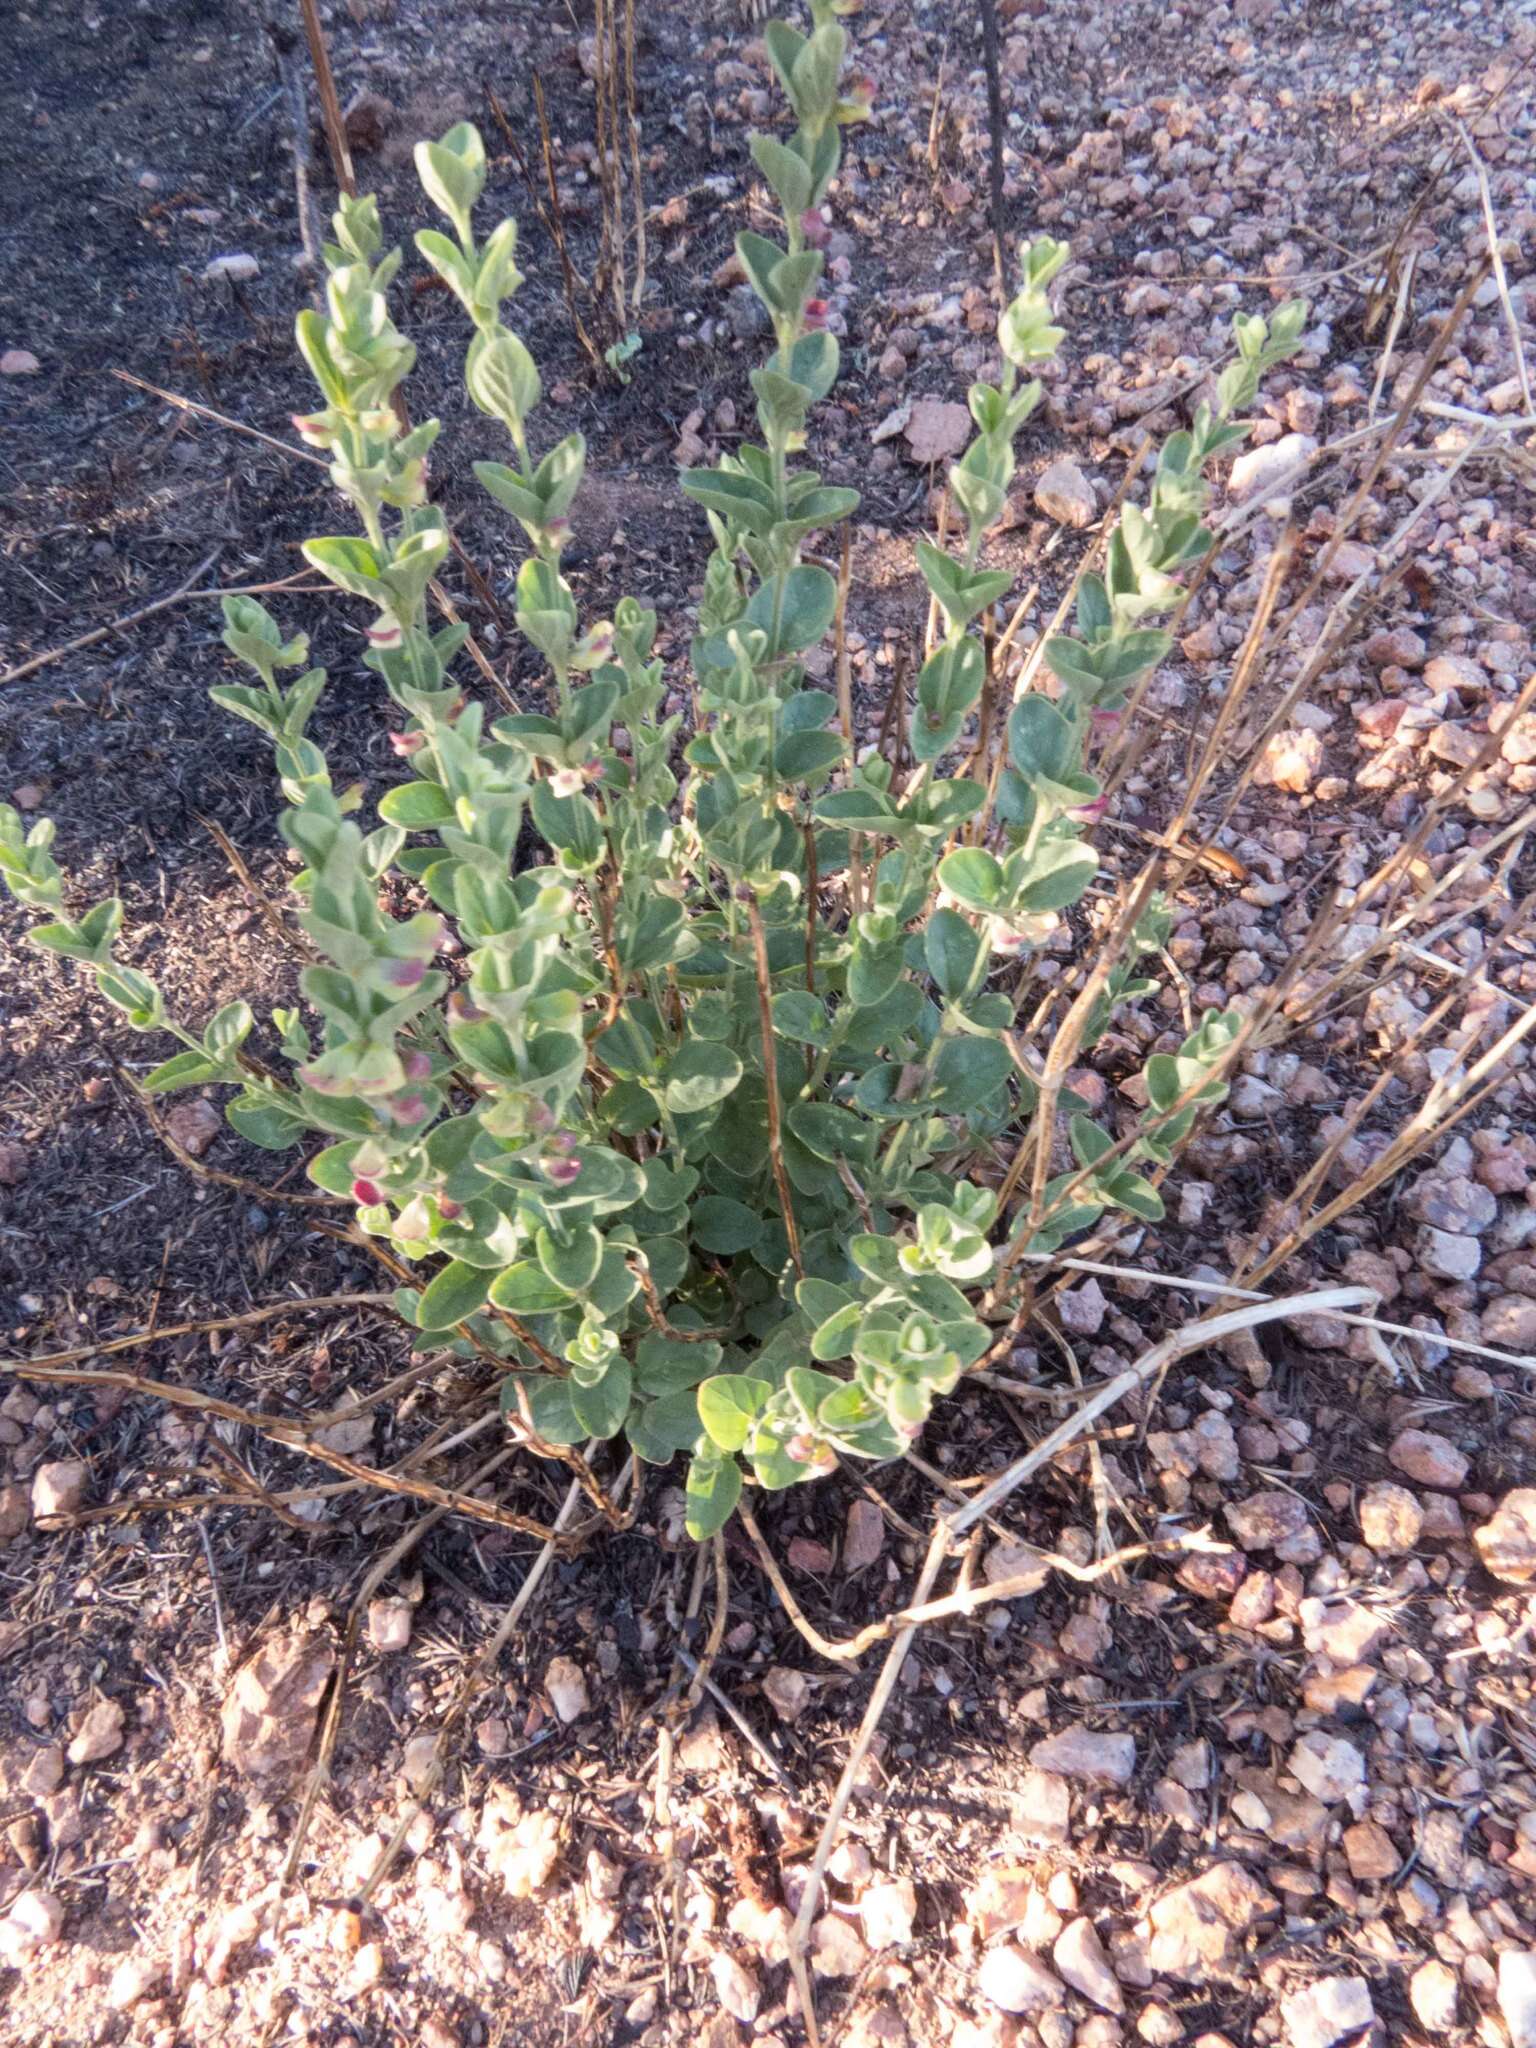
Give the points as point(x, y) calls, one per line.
point(702, 1123)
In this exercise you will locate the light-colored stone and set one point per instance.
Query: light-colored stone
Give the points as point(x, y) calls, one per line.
point(863, 1536)
point(1509, 1322)
point(99, 1733)
point(566, 1684)
point(19, 362)
point(1081, 1962)
point(135, 1979)
point(1266, 471)
point(1448, 1254)
point(937, 429)
point(787, 1691)
point(36, 1920)
point(1432, 1992)
point(58, 1488)
point(1265, 1519)
point(1329, 1767)
point(736, 1987)
point(1507, 1541)
point(1064, 494)
point(1325, 2012)
point(1390, 1518)
point(1083, 1757)
point(235, 268)
point(1018, 1982)
point(887, 1912)
point(1196, 1927)
point(389, 1624)
point(1517, 1995)
point(1429, 1459)
point(269, 1714)
point(837, 1948)
point(1370, 1852)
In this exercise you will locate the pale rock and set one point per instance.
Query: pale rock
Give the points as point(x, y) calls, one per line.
point(1015, 1561)
point(937, 429)
point(1453, 1202)
point(1517, 1995)
point(235, 268)
point(1064, 494)
point(1346, 1632)
point(887, 1912)
point(1370, 1852)
point(1195, 1927)
point(566, 1684)
point(524, 1855)
point(1083, 1757)
point(1083, 1309)
point(1447, 1254)
point(1390, 1518)
point(269, 1714)
point(1080, 1960)
point(1429, 1459)
point(1159, 2026)
point(998, 1902)
point(59, 1488)
point(766, 1929)
point(837, 1950)
point(389, 1624)
point(1509, 1321)
point(1262, 472)
point(1291, 760)
point(99, 1734)
point(1018, 1982)
point(1321, 2014)
point(44, 1773)
point(1329, 1767)
point(863, 1536)
point(134, 1979)
point(15, 1509)
point(1041, 1809)
point(36, 1920)
point(19, 362)
point(787, 1691)
point(736, 1987)
point(1507, 1542)
point(1432, 1992)
point(1266, 1519)
point(1506, 396)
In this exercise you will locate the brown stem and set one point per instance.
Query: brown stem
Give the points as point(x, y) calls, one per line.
point(330, 105)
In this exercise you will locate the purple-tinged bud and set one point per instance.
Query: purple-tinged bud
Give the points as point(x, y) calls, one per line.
point(463, 1009)
point(406, 1109)
point(561, 1171)
point(816, 311)
point(386, 635)
point(311, 427)
point(407, 743)
point(449, 1211)
point(567, 782)
point(405, 974)
point(417, 1065)
point(1089, 813)
point(559, 531)
point(367, 1193)
point(815, 227)
point(563, 1141)
point(861, 91)
point(323, 1083)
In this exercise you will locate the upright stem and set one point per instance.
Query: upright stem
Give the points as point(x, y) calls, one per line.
point(771, 1077)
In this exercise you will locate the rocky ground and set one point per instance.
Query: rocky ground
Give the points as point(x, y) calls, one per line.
point(1275, 1787)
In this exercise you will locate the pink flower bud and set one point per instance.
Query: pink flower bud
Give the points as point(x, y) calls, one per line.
point(311, 427)
point(559, 531)
point(367, 1193)
point(407, 1109)
point(1105, 722)
point(407, 743)
point(567, 781)
point(449, 1210)
point(386, 635)
point(814, 227)
point(417, 1065)
point(862, 91)
point(463, 1009)
point(1089, 813)
point(561, 1171)
point(816, 311)
point(405, 974)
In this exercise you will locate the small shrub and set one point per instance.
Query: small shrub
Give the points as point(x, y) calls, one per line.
point(716, 1128)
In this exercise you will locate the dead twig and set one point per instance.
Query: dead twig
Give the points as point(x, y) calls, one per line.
point(118, 625)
